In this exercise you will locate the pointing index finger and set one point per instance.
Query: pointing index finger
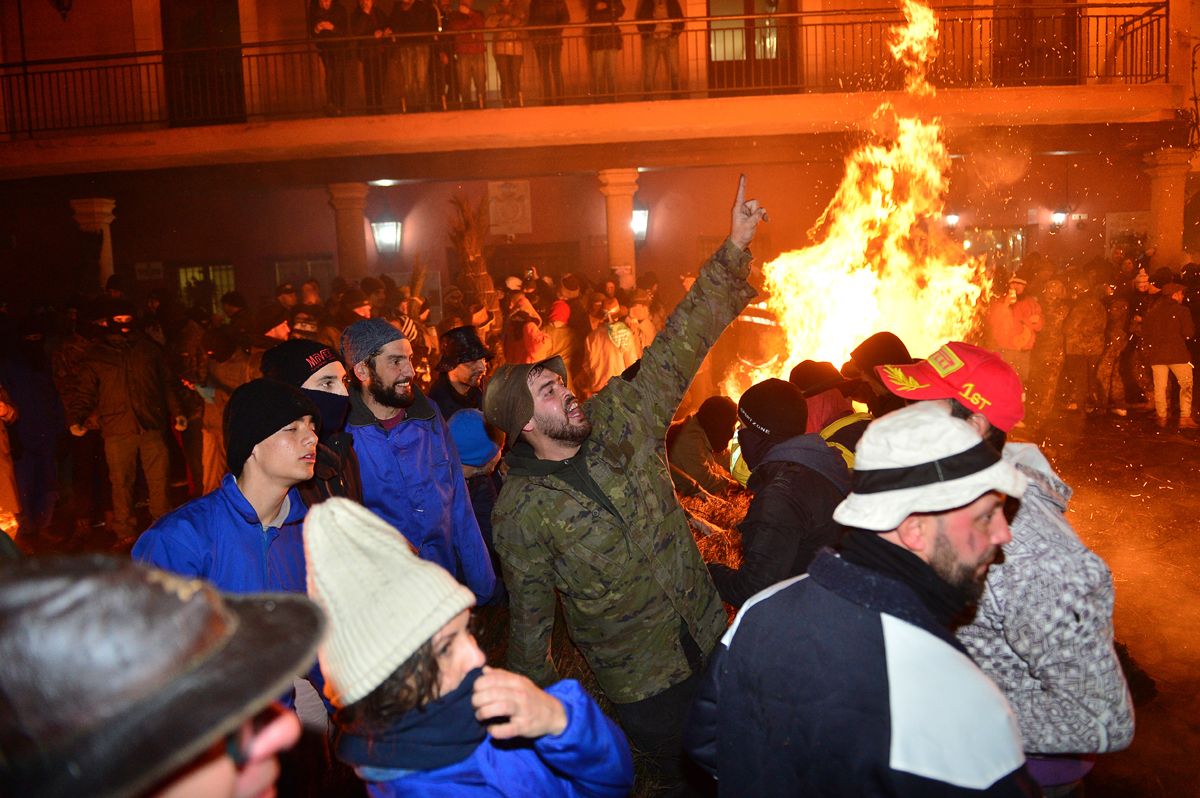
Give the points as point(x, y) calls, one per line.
point(741, 192)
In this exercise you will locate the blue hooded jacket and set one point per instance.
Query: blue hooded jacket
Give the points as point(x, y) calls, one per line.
point(412, 478)
point(590, 759)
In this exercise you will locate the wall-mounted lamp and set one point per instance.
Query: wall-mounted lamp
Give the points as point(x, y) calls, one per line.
point(952, 220)
point(387, 233)
point(639, 223)
point(1057, 220)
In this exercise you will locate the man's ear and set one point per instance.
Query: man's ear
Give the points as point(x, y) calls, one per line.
point(912, 532)
point(361, 371)
point(980, 423)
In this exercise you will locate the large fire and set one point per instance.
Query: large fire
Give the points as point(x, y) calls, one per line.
point(880, 259)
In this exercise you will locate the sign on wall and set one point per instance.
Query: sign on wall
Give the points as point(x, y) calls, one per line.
point(509, 211)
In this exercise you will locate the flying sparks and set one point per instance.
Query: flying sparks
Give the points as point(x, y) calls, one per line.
point(880, 259)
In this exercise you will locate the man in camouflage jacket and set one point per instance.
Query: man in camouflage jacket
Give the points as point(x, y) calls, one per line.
point(588, 510)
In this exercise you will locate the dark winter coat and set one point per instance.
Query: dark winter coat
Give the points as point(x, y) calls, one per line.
point(645, 11)
point(604, 37)
point(547, 12)
point(125, 383)
point(790, 519)
point(1165, 330)
point(336, 472)
point(842, 683)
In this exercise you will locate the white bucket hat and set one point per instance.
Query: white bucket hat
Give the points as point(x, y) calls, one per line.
point(920, 459)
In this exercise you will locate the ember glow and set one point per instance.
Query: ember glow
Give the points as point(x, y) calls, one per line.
point(880, 258)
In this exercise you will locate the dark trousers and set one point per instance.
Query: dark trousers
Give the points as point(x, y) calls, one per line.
point(85, 475)
point(654, 727)
point(374, 70)
point(122, 453)
point(549, 58)
point(1084, 386)
point(509, 68)
point(334, 61)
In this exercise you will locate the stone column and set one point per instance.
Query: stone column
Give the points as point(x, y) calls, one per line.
point(94, 215)
point(349, 201)
point(1168, 169)
point(618, 187)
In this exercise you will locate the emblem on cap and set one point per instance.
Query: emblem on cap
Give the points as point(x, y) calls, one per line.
point(944, 361)
point(902, 381)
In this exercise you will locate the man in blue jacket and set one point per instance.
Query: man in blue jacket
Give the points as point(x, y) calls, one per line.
point(847, 681)
point(410, 470)
point(244, 537)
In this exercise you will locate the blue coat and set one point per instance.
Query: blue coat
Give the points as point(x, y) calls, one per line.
point(218, 537)
point(591, 758)
point(412, 478)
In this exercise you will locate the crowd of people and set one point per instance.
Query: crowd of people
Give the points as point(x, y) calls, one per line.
point(428, 54)
point(1107, 337)
point(532, 460)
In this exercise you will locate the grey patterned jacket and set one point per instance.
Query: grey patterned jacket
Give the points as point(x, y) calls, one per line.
point(1044, 629)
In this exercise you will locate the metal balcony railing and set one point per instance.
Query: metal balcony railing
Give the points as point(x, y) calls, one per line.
point(980, 46)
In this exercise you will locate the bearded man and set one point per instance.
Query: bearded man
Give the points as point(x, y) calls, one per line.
point(847, 680)
point(588, 509)
point(410, 471)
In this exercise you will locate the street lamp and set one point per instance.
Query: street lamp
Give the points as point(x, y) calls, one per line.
point(387, 233)
point(952, 220)
point(1057, 220)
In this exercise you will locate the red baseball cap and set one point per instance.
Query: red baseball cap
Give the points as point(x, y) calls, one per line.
point(976, 377)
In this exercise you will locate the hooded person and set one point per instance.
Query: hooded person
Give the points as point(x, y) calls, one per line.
point(122, 680)
point(797, 481)
point(409, 468)
point(124, 381)
point(318, 372)
point(461, 368)
point(859, 371)
point(419, 711)
point(1043, 626)
point(830, 413)
point(697, 448)
point(855, 663)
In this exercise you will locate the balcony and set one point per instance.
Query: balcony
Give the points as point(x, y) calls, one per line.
point(714, 57)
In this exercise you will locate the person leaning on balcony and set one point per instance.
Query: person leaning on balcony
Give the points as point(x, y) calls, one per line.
point(328, 22)
point(660, 41)
point(368, 21)
point(603, 44)
point(507, 48)
point(414, 17)
point(547, 46)
point(469, 47)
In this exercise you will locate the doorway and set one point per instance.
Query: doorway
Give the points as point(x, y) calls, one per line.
point(753, 56)
point(202, 62)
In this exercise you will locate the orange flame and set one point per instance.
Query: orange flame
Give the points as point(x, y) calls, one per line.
point(879, 259)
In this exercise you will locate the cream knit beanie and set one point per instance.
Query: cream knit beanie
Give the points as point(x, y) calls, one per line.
point(383, 602)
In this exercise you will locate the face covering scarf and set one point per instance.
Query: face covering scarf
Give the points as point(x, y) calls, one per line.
point(440, 734)
point(332, 407)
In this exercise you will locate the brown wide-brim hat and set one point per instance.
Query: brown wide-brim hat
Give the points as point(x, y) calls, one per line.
point(508, 402)
point(115, 675)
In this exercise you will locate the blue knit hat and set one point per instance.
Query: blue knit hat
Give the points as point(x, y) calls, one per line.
point(362, 338)
point(475, 448)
